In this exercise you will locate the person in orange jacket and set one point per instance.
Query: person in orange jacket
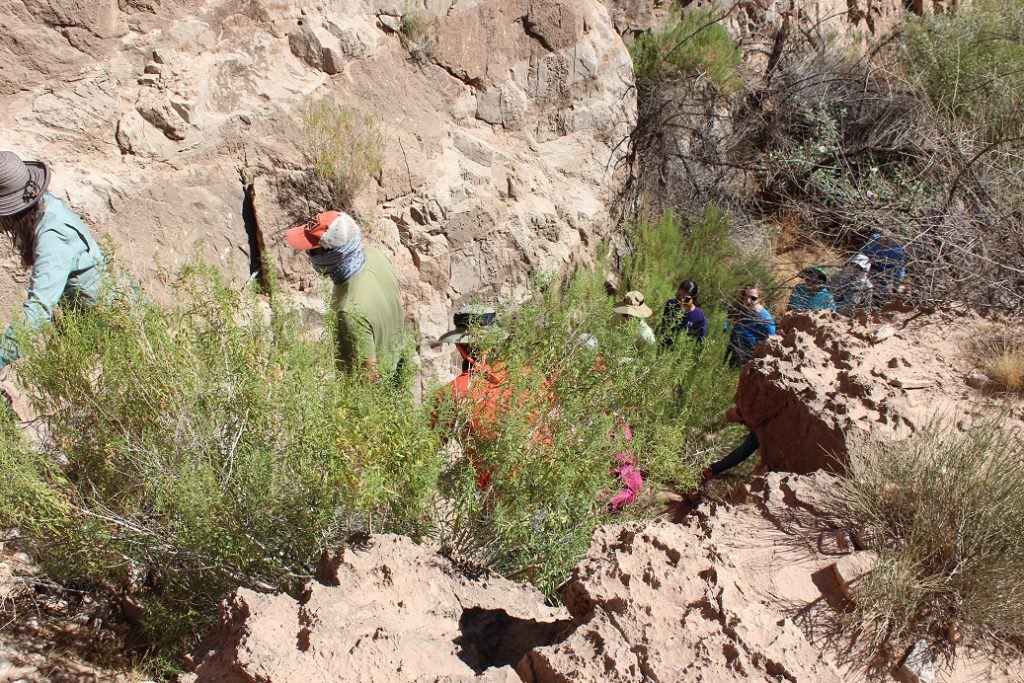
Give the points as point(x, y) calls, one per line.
point(482, 394)
point(481, 386)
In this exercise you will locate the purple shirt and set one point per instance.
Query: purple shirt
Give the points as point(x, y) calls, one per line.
point(674, 321)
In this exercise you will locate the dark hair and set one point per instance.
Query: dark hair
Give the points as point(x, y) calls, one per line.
point(690, 287)
point(22, 229)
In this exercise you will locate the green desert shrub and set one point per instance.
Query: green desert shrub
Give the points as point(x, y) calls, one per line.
point(692, 43)
point(206, 445)
point(345, 148)
point(575, 380)
point(702, 248)
point(971, 63)
point(945, 511)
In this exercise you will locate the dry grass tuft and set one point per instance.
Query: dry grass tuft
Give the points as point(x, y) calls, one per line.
point(946, 512)
point(1005, 367)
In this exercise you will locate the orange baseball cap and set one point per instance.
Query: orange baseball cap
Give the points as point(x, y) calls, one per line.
point(307, 236)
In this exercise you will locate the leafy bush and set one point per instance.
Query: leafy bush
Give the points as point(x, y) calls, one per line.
point(693, 42)
point(207, 446)
point(667, 251)
point(563, 422)
point(346, 148)
point(946, 511)
point(971, 63)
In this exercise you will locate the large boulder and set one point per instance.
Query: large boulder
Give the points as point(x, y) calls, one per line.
point(828, 384)
point(711, 599)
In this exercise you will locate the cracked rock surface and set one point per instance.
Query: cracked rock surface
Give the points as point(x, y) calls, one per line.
point(827, 384)
point(386, 609)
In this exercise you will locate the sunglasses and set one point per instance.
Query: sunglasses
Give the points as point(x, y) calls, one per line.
point(750, 298)
point(686, 299)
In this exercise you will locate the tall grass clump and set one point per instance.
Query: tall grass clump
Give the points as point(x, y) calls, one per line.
point(1000, 355)
point(204, 446)
point(574, 380)
point(946, 512)
point(693, 43)
point(345, 148)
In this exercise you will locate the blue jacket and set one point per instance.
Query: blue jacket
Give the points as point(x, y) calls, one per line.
point(67, 268)
point(886, 262)
point(748, 332)
point(803, 300)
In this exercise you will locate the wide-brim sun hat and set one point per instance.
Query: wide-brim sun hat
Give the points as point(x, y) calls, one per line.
point(633, 304)
point(472, 322)
point(22, 183)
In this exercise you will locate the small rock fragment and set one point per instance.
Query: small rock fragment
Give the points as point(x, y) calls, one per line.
point(851, 568)
point(918, 666)
point(882, 333)
point(977, 379)
point(389, 23)
point(904, 383)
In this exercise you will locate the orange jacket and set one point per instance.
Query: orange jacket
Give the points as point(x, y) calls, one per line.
point(487, 395)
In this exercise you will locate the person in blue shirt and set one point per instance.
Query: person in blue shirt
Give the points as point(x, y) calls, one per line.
point(682, 314)
point(51, 240)
point(812, 294)
point(888, 265)
point(750, 322)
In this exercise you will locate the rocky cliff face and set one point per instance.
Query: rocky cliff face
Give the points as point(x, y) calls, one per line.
point(168, 122)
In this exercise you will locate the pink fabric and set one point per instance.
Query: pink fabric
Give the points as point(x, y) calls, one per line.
point(628, 473)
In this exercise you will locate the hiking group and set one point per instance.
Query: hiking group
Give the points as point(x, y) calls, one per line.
point(67, 268)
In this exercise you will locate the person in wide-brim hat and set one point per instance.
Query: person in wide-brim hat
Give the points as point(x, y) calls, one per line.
point(633, 304)
point(633, 311)
point(50, 239)
point(22, 183)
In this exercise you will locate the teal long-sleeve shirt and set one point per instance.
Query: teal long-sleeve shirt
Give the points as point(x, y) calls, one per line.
point(68, 263)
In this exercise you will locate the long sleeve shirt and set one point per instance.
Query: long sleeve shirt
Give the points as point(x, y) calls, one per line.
point(747, 332)
point(803, 300)
point(67, 268)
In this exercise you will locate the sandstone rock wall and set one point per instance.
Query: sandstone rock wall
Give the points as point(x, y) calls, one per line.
point(170, 122)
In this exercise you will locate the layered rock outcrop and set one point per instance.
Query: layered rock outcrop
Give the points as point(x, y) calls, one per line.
point(752, 590)
point(383, 610)
point(827, 384)
point(176, 121)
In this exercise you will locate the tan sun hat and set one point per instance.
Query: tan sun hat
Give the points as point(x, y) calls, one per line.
point(22, 183)
point(633, 304)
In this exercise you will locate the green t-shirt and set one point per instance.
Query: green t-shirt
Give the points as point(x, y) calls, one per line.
point(370, 318)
